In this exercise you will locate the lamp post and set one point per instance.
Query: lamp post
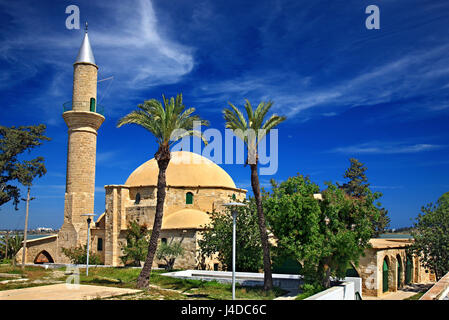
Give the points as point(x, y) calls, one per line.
point(233, 206)
point(89, 220)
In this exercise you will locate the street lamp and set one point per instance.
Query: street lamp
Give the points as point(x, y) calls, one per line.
point(89, 220)
point(233, 206)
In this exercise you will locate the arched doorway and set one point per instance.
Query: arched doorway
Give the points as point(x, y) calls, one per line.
point(399, 271)
point(43, 257)
point(409, 270)
point(385, 275)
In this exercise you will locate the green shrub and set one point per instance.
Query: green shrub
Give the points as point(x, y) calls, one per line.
point(309, 290)
point(136, 248)
point(77, 255)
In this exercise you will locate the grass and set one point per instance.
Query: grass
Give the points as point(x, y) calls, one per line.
point(174, 288)
point(30, 273)
point(416, 296)
point(162, 287)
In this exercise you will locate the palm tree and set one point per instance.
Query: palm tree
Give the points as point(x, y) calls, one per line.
point(250, 132)
point(164, 121)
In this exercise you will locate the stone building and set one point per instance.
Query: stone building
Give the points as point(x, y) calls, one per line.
point(386, 267)
point(195, 185)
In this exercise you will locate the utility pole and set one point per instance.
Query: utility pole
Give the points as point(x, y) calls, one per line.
point(26, 228)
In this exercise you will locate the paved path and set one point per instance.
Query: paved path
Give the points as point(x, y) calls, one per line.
point(398, 295)
point(404, 293)
point(64, 291)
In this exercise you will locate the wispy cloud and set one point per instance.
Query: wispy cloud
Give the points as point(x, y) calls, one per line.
point(402, 78)
point(386, 148)
point(127, 43)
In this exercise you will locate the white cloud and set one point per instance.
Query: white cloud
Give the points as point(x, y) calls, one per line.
point(386, 148)
point(127, 43)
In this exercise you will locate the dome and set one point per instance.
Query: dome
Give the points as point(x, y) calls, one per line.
point(186, 169)
point(185, 219)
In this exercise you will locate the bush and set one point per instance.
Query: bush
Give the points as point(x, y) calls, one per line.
point(77, 255)
point(136, 248)
point(309, 290)
point(217, 238)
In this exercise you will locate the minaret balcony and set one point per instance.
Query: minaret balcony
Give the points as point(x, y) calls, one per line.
point(83, 106)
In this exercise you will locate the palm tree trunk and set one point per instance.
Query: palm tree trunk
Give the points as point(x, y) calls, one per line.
point(268, 279)
point(163, 159)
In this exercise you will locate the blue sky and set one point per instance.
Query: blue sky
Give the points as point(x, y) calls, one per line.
point(381, 96)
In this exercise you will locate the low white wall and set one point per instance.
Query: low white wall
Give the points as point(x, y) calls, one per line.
point(344, 291)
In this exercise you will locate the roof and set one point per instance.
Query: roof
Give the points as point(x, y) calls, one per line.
point(389, 243)
point(85, 53)
point(185, 219)
point(186, 169)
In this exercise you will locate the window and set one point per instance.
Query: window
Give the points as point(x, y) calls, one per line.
point(164, 240)
point(92, 104)
point(215, 266)
point(189, 198)
point(137, 201)
point(100, 244)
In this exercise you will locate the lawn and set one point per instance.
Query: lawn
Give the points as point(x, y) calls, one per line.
point(173, 288)
point(36, 276)
point(162, 287)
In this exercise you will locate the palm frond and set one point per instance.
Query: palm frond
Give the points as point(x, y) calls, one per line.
point(162, 119)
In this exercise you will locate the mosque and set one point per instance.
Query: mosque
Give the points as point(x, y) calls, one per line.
point(195, 185)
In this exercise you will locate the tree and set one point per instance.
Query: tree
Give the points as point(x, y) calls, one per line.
point(252, 131)
point(136, 247)
point(217, 238)
point(164, 121)
point(325, 235)
point(13, 143)
point(14, 245)
point(358, 187)
point(431, 237)
point(169, 252)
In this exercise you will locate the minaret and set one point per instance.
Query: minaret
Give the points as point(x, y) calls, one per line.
point(83, 120)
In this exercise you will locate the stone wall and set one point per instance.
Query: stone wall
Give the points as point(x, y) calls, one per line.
point(370, 270)
point(84, 85)
point(121, 208)
point(36, 246)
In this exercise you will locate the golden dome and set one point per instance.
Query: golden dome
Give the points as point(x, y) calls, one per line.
point(185, 219)
point(186, 169)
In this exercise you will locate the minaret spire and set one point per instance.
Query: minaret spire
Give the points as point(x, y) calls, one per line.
point(85, 53)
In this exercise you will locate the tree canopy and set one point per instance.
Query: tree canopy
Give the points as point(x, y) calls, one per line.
point(431, 236)
point(14, 141)
point(217, 238)
point(324, 235)
point(357, 186)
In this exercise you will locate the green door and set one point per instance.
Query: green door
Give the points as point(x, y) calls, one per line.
point(399, 273)
point(385, 277)
point(92, 104)
point(408, 271)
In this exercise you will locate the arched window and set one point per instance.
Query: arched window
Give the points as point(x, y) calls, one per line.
point(164, 240)
point(189, 198)
point(385, 275)
point(137, 201)
point(92, 104)
point(399, 271)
